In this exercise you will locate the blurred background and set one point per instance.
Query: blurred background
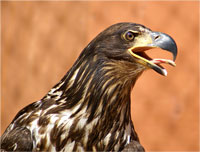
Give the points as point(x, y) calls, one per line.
point(41, 41)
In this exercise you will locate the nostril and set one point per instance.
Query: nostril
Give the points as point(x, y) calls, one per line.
point(157, 37)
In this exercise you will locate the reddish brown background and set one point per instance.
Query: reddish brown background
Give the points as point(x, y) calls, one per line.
point(41, 40)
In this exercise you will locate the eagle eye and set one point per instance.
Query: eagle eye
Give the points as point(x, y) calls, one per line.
point(130, 35)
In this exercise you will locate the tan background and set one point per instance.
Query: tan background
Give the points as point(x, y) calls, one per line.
point(41, 40)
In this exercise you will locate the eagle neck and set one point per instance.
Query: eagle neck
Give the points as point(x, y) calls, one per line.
point(98, 97)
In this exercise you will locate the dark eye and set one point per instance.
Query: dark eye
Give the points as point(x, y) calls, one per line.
point(129, 36)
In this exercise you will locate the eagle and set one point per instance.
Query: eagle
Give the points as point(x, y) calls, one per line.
point(89, 109)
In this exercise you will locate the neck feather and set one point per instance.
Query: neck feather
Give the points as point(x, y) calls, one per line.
point(97, 92)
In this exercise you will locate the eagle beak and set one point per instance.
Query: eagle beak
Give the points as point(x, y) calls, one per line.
point(151, 40)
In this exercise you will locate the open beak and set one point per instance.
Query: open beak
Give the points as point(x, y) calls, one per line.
point(151, 40)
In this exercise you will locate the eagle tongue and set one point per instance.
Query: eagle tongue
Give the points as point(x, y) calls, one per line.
point(166, 61)
point(160, 69)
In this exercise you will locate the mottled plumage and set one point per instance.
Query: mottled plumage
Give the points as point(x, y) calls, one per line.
point(89, 109)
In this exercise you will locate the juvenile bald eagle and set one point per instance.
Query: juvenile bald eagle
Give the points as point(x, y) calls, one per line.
point(89, 109)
